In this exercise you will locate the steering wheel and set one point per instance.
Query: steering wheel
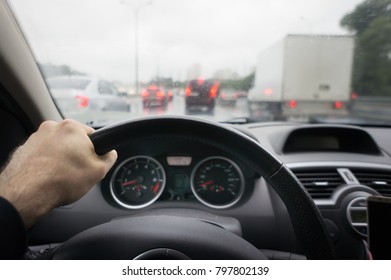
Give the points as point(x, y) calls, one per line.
point(180, 237)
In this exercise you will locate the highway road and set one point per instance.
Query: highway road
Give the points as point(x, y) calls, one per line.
point(370, 111)
point(175, 107)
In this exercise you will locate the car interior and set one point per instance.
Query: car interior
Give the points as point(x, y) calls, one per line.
point(287, 190)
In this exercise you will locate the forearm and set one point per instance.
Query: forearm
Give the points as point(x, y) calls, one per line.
point(19, 187)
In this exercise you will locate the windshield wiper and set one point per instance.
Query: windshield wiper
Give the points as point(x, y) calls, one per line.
point(239, 120)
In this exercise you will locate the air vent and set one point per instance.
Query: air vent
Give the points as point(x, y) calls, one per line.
point(379, 180)
point(319, 183)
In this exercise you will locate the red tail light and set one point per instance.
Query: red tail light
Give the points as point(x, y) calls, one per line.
point(268, 91)
point(169, 93)
point(160, 93)
point(213, 91)
point(145, 93)
point(188, 91)
point(83, 101)
point(338, 105)
point(292, 104)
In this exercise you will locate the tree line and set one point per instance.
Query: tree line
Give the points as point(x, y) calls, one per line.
point(370, 21)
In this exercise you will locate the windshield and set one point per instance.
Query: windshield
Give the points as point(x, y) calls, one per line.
point(226, 60)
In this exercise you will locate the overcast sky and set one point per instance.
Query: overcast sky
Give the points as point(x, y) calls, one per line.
point(97, 36)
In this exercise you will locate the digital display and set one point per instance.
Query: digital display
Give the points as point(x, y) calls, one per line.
point(315, 143)
point(179, 160)
point(358, 216)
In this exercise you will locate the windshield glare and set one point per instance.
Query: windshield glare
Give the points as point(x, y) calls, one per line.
point(225, 60)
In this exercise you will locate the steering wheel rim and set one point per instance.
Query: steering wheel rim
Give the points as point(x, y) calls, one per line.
point(306, 219)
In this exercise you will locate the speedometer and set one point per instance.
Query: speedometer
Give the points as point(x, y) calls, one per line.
point(217, 182)
point(137, 182)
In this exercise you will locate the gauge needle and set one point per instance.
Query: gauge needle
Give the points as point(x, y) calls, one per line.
point(156, 188)
point(206, 183)
point(129, 183)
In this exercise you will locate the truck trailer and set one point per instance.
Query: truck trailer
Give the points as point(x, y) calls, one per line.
point(303, 75)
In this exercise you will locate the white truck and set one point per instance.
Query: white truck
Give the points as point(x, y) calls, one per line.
point(303, 75)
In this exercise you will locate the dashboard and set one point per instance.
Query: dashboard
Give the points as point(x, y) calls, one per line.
point(158, 174)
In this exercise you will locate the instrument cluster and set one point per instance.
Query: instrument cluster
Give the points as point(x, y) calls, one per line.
point(216, 181)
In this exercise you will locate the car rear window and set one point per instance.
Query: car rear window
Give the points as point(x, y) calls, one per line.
point(200, 85)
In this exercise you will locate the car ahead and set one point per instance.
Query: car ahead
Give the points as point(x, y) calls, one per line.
point(228, 97)
point(75, 93)
point(242, 93)
point(201, 94)
point(154, 96)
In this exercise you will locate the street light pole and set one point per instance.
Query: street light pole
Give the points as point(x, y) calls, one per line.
point(136, 50)
point(136, 8)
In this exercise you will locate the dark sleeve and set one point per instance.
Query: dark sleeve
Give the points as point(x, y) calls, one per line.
point(13, 239)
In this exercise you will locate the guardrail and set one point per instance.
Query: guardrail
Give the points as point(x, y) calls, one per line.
point(372, 107)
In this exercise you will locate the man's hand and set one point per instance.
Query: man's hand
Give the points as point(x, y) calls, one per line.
point(56, 166)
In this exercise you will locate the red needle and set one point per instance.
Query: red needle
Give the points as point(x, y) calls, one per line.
point(129, 183)
point(206, 183)
point(156, 188)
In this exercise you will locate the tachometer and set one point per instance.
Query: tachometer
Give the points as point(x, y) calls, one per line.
point(137, 182)
point(217, 182)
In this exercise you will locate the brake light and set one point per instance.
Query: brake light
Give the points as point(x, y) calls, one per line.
point(169, 93)
point(292, 104)
point(188, 91)
point(338, 105)
point(268, 91)
point(213, 91)
point(83, 101)
point(145, 93)
point(160, 93)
